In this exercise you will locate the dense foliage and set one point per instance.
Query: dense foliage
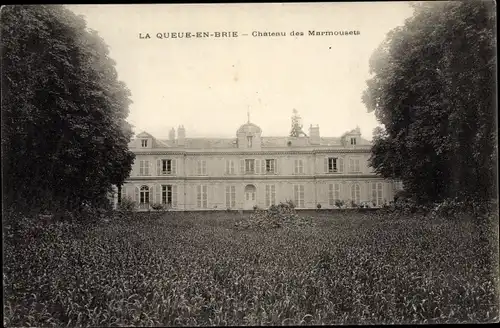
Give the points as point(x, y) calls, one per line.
point(64, 133)
point(276, 216)
point(433, 89)
point(198, 269)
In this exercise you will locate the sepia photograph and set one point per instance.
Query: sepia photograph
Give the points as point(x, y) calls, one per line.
point(249, 164)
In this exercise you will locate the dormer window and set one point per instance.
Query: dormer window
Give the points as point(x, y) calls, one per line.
point(353, 141)
point(249, 141)
point(144, 143)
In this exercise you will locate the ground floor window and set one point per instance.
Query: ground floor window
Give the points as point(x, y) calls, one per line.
point(377, 194)
point(355, 193)
point(144, 195)
point(230, 196)
point(333, 193)
point(202, 196)
point(270, 195)
point(298, 191)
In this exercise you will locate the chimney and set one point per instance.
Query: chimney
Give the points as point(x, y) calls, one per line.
point(181, 135)
point(314, 138)
point(171, 134)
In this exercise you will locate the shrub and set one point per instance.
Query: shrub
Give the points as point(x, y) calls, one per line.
point(276, 216)
point(127, 205)
point(290, 203)
point(339, 203)
point(401, 195)
point(318, 206)
point(158, 207)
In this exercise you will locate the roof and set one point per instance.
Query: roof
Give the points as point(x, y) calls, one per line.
point(249, 127)
point(266, 142)
point(144, 134)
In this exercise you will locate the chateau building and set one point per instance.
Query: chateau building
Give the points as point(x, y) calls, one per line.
point(253, 170)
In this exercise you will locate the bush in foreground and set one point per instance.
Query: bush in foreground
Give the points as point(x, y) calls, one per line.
point(281, 215)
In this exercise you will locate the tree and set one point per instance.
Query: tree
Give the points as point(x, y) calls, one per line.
point(296, 125)
point(433, 90)
point(64, 130)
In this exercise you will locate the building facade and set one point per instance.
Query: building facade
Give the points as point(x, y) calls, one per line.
point(253, 170)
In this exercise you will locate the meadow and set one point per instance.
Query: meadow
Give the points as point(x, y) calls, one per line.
point(194, 269)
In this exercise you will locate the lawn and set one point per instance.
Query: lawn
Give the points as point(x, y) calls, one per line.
point(199, 269)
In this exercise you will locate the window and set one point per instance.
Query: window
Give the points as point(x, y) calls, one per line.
point(230, 196)
point(249, 166)
point(201, 196)
point(377, 194)
point(334, 165)
point(299, 166)
point(270, 166)
point(270, 195)
point(143, 167)
point(144, 195)
point(166, 166)
point(250, 195)
point(353, 141)
point(123, 193)
point(354, 165)
point(166, 194)
point(249, 141)
point(229, 167)
point(333, 193)
point(355, 193)
point(298, 191)
point(202, 167)
point(144, 143)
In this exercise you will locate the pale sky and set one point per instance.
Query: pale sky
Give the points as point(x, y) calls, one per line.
point(208, 84)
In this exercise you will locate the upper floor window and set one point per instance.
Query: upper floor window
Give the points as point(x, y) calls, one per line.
point(270, 166)
point(229, 167)
point(353, 141)
point(202, 167)
point(249, 165)
point(299, 166)
point(143, 167)
point(166, 166)
point(249, 141)
point(334, 165)
point(144, 143)
point(354, 165)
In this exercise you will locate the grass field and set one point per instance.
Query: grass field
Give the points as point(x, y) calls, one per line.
point(198, 269)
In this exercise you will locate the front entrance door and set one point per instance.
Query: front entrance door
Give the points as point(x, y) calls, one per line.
point(250, 197)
